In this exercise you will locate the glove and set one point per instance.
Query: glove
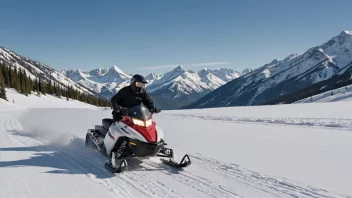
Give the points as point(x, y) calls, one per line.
point(123, 110)
point(115, 107)
point(155, 110)
point(119, 109)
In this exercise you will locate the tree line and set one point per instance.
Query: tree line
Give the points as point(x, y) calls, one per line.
point(17, 79)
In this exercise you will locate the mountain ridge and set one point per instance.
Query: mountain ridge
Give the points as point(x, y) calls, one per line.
point(35, 69)
point(177, 84)
point(278, 78)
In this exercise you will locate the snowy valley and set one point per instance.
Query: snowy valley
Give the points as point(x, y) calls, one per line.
point(288, 150)
point(252, 99)
point(298, 150)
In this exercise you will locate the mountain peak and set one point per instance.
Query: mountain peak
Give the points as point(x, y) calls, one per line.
point(291, 56)
point(275, 61)
point(179, 68)
point(204, 71)
point(151, 76)
point(346, 33)
point(97, 72)
point(117, 69)
point(246, 71)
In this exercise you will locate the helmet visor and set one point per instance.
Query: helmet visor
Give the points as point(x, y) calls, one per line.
point(140, 85)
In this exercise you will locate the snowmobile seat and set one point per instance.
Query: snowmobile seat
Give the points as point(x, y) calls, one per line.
point(107, 123)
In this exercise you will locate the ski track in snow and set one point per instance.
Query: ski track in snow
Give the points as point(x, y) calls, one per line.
point(206, 177)
point(336, 123)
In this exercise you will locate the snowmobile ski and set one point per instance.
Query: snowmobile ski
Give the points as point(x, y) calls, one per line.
point(122, 166)
point(165, 152)
point(186, 161)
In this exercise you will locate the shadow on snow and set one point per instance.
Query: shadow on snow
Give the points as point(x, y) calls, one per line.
point(73, 158)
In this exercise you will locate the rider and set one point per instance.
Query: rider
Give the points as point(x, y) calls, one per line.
point(130, 96)
point(126, 98)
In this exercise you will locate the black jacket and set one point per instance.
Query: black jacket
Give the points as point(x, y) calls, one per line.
point(127, 98)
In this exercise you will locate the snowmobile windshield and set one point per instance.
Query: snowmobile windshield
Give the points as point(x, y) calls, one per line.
point(140, 112)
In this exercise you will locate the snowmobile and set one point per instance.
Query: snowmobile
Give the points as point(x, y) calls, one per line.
point(136, 135)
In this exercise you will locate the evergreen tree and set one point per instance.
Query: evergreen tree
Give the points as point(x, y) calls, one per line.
point(30, 85)
point(17, 82)
point(54, 88)
point(37, 86)
point(70, 92)
point(9, 75)
point(17, 79)
point(58, 91)
point(13, 78)
point(50, 88)
point(42, 87)
point(2, 85)
point(22, 77)
point(67, 96)
point(5, 74)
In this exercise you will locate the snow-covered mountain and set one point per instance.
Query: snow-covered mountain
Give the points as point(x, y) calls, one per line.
point(35, 69)
point(180, 87)
point(282, 77)
point(105, 82)
point(246, 71)
point(170, 90)
point(225, 74)
point(151, 77)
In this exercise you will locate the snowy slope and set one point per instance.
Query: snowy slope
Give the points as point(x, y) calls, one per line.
point(295, 151)
point(246, 71)
point(225, 74)
point(105, 82)
point(180, 87)
point(152, 77)
point(187, 82)
point(36, 69)
point(17, 100)
point(340, 94)
point(281, 77)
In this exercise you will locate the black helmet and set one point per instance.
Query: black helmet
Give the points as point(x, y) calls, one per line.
point(138, 78)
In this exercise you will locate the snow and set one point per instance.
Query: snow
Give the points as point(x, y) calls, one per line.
point(118, 70)
point(182, 82)
point(246, 71)
point(340, 94)
point(308, 143)
point(347, 32)
point(100, 80)
point(18, 100)
point(297, 150)
point(152, 77)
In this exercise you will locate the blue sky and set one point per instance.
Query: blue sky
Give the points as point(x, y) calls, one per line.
point(144, 36)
